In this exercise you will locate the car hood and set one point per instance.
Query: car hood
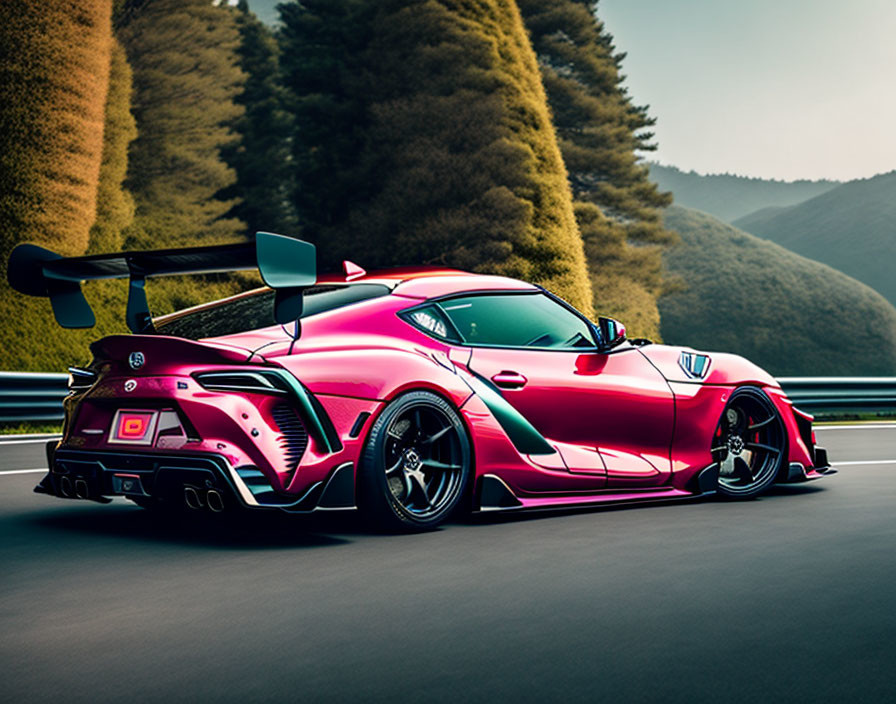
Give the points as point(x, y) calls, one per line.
point(724, 369)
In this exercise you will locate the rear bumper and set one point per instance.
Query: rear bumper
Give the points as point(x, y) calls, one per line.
point(97, 475)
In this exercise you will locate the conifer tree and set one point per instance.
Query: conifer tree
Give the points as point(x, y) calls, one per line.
point(602, 135)
point(114, 205)
point(423, 136)
point(186, 79)
point(261, 155)
point(53, 81)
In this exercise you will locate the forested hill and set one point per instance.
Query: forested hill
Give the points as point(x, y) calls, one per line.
point(852, 228)
point(729, 197)
point(786, 313)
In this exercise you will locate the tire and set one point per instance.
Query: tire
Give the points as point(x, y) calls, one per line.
point(750, 444)
point(416, 465)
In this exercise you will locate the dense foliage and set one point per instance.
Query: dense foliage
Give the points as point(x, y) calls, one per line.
point(186, 78)
point(51, 147)
point(602, 134)
point(791, 315)
point(729, 197)
point(260, 155)
point(850, 227)
point(65, 152)
point(53, 81)
point(423, 136)
point(114, 204)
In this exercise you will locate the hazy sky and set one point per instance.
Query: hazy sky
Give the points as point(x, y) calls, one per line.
point(775, 88)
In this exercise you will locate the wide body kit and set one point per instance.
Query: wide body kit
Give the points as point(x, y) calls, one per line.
point(285, 417)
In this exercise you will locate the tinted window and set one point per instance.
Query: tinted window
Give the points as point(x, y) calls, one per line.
point(257, 310)
point(432, 321)
point(522, 320)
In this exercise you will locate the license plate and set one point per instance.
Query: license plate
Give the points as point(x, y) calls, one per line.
point(134, 427)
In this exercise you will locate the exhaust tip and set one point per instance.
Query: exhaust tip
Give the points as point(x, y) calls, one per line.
point(215, 501)
point(65, 487)
point(192, 498)
point(82, 491)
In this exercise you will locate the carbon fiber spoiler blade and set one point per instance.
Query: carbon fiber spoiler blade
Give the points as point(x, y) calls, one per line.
point(286, 264)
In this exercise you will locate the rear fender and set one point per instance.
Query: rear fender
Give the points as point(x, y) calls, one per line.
point(377, 374)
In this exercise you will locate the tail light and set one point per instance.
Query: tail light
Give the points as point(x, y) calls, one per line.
point(80, 379)
point(242, 381)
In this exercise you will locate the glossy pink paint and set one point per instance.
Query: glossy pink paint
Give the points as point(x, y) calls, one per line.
point(628, 425)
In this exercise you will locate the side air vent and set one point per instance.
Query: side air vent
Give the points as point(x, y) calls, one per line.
point(295, 437)
point(695, 366)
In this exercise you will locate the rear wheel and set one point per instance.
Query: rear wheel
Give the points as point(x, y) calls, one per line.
point(750, 444)
point(416, 464)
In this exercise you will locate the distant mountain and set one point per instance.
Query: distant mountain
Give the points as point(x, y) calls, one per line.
point(852, 228)
point(789, 314)
point(730, 197)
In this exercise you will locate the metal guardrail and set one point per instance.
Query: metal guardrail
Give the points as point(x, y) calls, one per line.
point(832, 393)
point(26, 396)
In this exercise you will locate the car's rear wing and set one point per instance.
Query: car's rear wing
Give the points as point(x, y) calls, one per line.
point(286, 264)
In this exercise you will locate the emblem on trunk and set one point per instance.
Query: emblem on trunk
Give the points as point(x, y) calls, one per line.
point(130, 385)
point(136, 360)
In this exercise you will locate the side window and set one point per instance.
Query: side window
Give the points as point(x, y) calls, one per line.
point(516, 320)
point(432, 321)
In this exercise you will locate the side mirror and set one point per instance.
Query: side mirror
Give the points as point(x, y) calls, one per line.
point(612, 332)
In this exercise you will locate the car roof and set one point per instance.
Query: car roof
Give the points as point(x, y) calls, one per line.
point(418, 282)
point(431, 282)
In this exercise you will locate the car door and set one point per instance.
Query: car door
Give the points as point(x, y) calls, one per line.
point(612, 411)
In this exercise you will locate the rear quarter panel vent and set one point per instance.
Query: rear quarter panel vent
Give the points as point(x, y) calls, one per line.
point(294, 438)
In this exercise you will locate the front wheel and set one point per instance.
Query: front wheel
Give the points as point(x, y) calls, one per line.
point(750, 444)
point(416, 464)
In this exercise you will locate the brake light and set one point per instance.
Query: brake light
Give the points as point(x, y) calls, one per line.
point(134, 426)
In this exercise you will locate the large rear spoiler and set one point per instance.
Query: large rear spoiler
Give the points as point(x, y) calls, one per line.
point(286, 264)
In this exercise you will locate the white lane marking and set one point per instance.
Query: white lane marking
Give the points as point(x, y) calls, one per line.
point(841, 464)
point(858, 426)
point(23, 471)
point(30, 441)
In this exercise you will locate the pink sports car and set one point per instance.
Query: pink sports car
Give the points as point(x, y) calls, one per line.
point(407, 393)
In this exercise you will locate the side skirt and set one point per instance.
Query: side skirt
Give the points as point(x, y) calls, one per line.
point(494, 495)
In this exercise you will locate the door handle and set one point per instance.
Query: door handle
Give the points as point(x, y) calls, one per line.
point(509, 380)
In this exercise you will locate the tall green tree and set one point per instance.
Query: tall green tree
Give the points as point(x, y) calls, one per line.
point(261, 155)
point(53, 82)
point(186, 81)
point(114, 204)
point(423, 135)
point(602, 135)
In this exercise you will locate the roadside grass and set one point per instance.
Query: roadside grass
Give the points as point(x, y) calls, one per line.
point(28, 428)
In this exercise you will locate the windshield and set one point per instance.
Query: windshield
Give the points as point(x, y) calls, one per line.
point(256, 310)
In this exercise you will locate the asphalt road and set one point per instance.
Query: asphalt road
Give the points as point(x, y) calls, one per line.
point(790, 597)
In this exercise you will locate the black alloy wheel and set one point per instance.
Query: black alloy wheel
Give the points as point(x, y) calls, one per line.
point(750, 444)
point(416, 464)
